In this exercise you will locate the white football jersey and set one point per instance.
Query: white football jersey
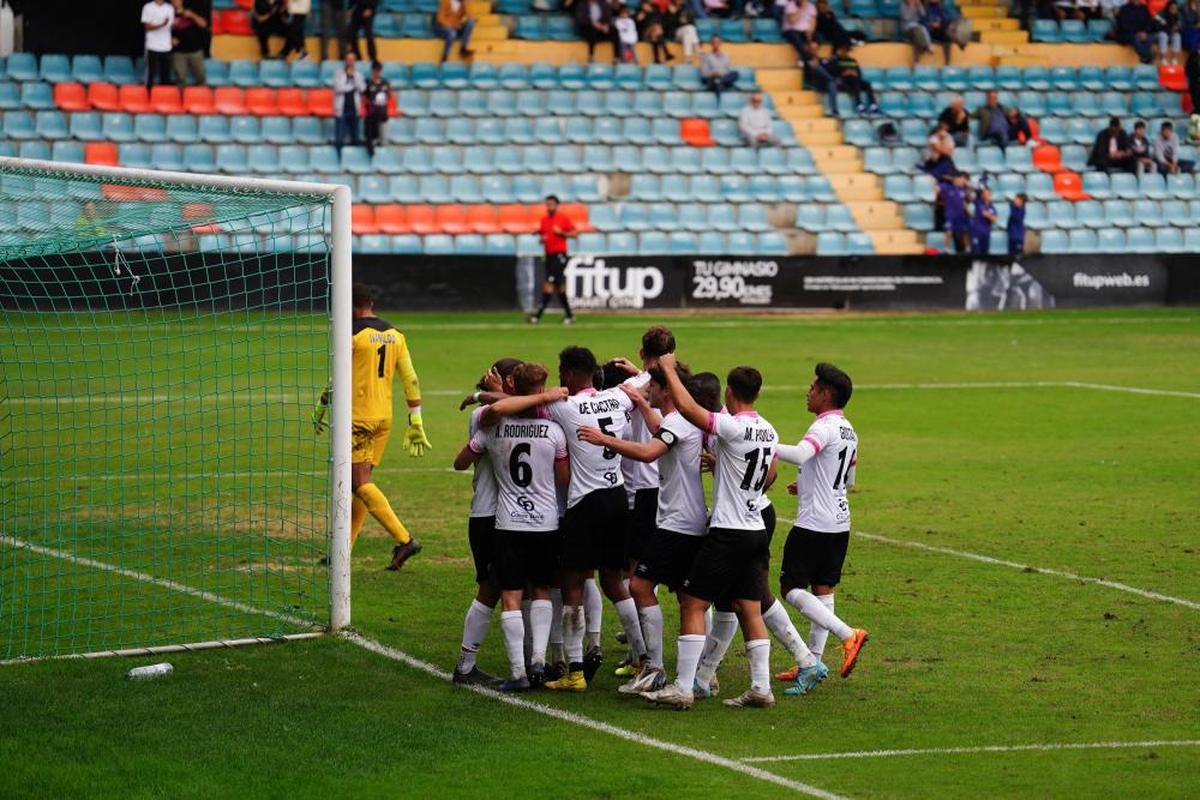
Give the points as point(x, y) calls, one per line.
point(483, 484)
point(639, 474)
point(821, 482)
point(523, 452)
point(744, 445)
point(592, 467)
point(681, 506)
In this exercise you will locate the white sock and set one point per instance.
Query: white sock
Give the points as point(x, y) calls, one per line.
point(541, 612)
point(817, 634)
point(475, 628)
point(759, 653)
point(556, 639)
point(691, 645)
point(780, 624)
point(628, 614)
point(652, 630)
point(725, 624)
point(514, 640)
point(593, 609)
point(815, 610)
point(708, 621)
point(528, 630)
point(572, 624)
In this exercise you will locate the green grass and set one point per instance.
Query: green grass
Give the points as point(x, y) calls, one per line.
point(1097, 483)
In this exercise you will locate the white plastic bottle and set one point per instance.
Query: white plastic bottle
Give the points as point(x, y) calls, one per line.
point(149, 672)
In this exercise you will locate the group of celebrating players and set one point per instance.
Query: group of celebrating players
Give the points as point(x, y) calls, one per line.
point(601, 474)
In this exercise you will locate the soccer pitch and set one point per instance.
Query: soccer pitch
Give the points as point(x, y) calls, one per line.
point(1026, 557)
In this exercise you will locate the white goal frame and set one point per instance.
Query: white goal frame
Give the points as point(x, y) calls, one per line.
point(340, 332)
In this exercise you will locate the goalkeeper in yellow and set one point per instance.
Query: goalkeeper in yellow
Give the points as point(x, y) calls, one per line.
point(380, 352)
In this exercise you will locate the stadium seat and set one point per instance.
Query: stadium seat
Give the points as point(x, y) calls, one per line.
point(67, 151)
point(135, 155)
point(115, 127)
point(1082, 241)
point(320, 102)
point(1054, 242)
point(51, 125)
point(133, 99)
point(198, 158)
point(166, 155)
point(1069, 186)
point(166, 100)
point(245, 129)
point(37, 96)
point(86, 68)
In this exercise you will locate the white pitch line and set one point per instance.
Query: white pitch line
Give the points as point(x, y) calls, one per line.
point(1058, 573)
point(1103, 387)
point(397, 655)
point(939, 751)
point(135, 399)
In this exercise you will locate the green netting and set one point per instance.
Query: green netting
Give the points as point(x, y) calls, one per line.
point(160, 350)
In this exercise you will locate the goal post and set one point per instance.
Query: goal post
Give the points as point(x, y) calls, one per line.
point(164, 338)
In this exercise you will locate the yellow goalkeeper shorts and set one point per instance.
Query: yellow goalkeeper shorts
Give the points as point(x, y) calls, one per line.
point(368, 440)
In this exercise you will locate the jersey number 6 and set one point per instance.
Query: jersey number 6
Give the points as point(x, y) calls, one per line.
point(521, 471)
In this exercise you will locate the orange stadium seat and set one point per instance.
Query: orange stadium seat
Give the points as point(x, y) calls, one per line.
point(166, 100)
point(235, 22)
point(134, 99)
point(391, 218)
point(261, 101)
point(421, 219)
point(482, 218)
point(103, 97)
point(576, 212)
point(696, 132)
point(320, 102)
point(1047, 158)
point(516, 218)
point(201, 216)
point(362, 219)
point(1069, 186)
point(71, 97)
point(198, 100)
point(1172, 77)
point(292, 102)
point(100, 153)
point(452, 219)
point(229, 100)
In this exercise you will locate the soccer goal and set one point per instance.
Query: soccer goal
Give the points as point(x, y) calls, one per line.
point(163, 339)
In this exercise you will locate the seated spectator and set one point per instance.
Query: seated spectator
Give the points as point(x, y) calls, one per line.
point(1168, 31)
point(939, 153)
point(451, 22)
point(957, 122)
point(716, 70)
point(993, 121)
point(799, 24)
point(348, 89)
point(850, 80)
point(652, 19)
point(1140, 150)
point(189, 40)
point(1166, 152)
point(1133, 27)
point(755, 124)
point(379, 92)
point(1018, 127)
point(946, 29)
point(593, 20)
point(627, 36)
point(829, 29)
point(1016, 226)
point(819, 76)
point(686, 35)
point(912, 27)
point(1111, 149)
point(267, 20)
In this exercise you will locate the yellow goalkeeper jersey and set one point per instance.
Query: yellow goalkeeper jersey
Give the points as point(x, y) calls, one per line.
point(379, 353)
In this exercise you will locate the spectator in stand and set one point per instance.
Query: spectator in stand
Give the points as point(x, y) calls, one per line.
point(982, 219)
point(298, 11)
point(716, 70)
point(799, 24)
point(593, 20)
point(1166, 152)
point(830, 29)
point(946, 29)
point(627, 36)
point(453, 21)
point(1189, 15)
point(819, 77)
point(652, 19)
point(379, 93)
point(348, 89)
point(957, 122)
point(686, 34)
point(1168, 27)
point(1016, 226)
point(1191, 71)
point(755, 123)
point(157, 18)
point(850, 80)
point(1109, 9)
point(993, 121)
point(952, 188)
point(1140, 149)
point(719, 8)
point(912, 26)
point(939, 153)
point(267, 18)
point(362, 17)
point(333, 26)
point(1085, 10)
point(1133, 27)
point(1111, 149)
point(189, 40)
point(1018, 127)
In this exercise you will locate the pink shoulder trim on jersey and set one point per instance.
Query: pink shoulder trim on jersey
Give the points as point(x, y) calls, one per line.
point(747, 414)
point(561, 456)
point(543, 412)
point(591, 390)
point(711, 427)
point(471, 447)
point(833, 411)
point(814, 441)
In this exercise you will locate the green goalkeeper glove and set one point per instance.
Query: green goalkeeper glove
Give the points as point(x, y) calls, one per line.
point(415, 439)
point(318, 413)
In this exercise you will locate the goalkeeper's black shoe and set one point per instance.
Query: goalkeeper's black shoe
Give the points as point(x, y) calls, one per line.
point(476, 677)
point(555, 671)
point(402, 553)
point(592, 660)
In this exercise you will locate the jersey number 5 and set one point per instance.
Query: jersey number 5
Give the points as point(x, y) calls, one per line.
point(521, 471)
point(753, 465)
point(604, 424)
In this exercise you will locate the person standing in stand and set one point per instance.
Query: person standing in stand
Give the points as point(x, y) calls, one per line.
point(379, 92)
point(556, 228)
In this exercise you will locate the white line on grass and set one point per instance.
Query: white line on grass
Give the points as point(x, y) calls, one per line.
point(939, 751)
point(397, 655)
point(1058, 573)
point(1102, 387)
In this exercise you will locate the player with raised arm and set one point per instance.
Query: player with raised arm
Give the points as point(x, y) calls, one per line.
point(481, 532)
point(728, 562)
point(816, 546)
point(379, 353)
point(597, 518)
point(528, 455)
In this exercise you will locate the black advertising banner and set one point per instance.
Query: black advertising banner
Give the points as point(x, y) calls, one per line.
point(440, 283)
point(1091, 282)
point(622, 282)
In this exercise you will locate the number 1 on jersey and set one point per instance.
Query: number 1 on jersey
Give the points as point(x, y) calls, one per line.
point(382, 351)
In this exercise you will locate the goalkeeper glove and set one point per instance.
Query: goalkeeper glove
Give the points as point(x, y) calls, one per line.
point(415, 439)
point(318, 413)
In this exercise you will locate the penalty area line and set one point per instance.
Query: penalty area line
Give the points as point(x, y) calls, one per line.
point(1000, 748)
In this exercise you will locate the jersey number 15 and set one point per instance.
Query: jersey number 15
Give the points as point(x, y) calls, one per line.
point(753, 465)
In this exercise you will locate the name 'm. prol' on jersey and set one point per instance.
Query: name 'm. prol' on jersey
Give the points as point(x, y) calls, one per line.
point(822, 504)
point(744, 445)
point(681, 506)
point(592, 467)
point(522, 452)
point(483, 482)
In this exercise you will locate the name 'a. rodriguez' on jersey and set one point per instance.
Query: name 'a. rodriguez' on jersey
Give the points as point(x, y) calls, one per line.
point(822, 481)
point(522, 452)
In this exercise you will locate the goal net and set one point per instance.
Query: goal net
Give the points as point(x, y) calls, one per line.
point(163, 339)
